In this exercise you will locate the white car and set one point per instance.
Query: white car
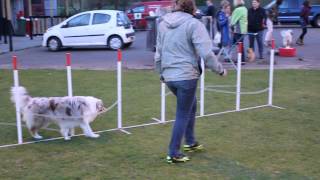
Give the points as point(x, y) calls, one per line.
point(92, 28)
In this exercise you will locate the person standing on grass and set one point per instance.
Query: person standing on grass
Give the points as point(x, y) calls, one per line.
point(304, 20)
point(256, 22)
point(181, 40)
point(211, 11)
point(223, 22)
point(239, 23)
point(269, 34)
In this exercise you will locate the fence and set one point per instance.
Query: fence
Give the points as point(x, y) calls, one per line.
point(41, 23)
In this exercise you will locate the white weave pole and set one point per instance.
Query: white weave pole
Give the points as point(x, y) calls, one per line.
point(202, 84)
point(240, 49)
point(119, 89)
point(271, 73)
point(18, 113)
point(163, 102)
point(69, 75)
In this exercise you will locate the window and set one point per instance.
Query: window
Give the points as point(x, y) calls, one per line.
point(122, 19)
point(139, 9)
point(100, 18)
point(82, 20)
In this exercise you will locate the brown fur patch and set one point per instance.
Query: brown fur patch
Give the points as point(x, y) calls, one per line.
point(53, 105)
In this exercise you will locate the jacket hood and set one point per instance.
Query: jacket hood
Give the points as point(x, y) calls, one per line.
point(175, 19)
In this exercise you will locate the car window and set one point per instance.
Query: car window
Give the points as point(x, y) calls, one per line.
point(82, 20)
point(139, 9)
point(99, 18)
point(122, 19)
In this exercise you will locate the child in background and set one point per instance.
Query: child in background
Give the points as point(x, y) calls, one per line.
point(269, 23)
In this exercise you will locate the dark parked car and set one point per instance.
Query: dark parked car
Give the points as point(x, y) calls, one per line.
point(289, 11)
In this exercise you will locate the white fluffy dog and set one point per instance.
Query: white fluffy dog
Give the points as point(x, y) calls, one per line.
point(66, 112)
point(287, 36)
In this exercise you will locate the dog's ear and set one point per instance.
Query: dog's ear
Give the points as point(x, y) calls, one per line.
point(99, 106)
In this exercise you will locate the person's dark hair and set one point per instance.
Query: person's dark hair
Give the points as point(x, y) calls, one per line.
point(306, 3)
point(187, 6)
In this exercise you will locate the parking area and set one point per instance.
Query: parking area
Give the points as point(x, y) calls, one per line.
point(138, 57)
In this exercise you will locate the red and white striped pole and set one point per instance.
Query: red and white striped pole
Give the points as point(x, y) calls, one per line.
point(69, 75)
point(119, 88)
point(271, 72)
point(238, 96)
point(18, 113)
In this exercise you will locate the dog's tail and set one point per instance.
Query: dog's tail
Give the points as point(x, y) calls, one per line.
point(20, 95)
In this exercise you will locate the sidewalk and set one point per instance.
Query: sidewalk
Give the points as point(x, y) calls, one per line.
point(20, 43)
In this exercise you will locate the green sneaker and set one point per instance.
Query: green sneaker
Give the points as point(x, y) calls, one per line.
point(195, 147)
point(178, 159)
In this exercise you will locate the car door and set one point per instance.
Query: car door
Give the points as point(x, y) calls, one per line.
point(100, 26)
point(289, 11)
point(75, 31)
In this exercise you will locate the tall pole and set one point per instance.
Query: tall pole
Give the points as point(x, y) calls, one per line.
point(30, 7)
point(119, 67)
point(271, 73)
point(5, 22)
point(18, 112)
point(202, 82)
point(240, 50)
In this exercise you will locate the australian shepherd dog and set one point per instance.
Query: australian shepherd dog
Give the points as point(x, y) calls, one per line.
point(66, 112)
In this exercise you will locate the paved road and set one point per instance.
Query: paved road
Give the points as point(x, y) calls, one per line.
point(137, 57)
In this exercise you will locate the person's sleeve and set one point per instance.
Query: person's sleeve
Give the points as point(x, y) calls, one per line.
point(157, 56)
point(235, 17)
point(222, 19)
point(203, 46)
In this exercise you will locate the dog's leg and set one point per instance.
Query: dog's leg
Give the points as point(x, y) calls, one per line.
point(72, 131)
point(31, 125)
point(65, 133)
point(88, 131)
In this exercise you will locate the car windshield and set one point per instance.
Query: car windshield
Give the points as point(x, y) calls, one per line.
point(138, 9)
point(270, 5)
point(122, 19)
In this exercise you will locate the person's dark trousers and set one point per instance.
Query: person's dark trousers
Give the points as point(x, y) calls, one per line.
point(185, 92)
point(259, 38)
point(304, 32)
point(239, 38)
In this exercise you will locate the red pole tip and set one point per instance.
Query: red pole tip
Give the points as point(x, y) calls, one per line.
point(240, 47)
point(119, 55)
point(68, 59)
point(273, 44)
point(14, 62)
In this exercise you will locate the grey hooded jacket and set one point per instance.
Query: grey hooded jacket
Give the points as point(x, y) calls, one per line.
point(181, 40)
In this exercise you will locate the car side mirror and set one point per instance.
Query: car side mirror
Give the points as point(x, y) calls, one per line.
point(64, 25)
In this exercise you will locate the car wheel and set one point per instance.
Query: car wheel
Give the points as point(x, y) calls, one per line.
point(316, 22)
point(127, 45)
point(54, 44)
point(115, 42)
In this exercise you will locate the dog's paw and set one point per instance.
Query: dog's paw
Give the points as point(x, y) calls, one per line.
point(94, 136)
point(67, 138)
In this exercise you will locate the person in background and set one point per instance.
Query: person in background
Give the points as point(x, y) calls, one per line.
point(181, 40)
point(223, 22)
point(239, 23)
point(269, 34)
point(256, 22)
point(211, 11)
point(304, 20)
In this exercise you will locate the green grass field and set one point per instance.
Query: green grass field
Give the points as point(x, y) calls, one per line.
point(265, 143)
